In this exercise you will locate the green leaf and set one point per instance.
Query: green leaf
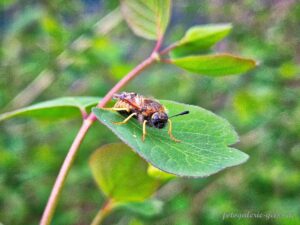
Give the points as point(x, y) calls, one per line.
point(148, 208)
point(200, 38)
point(121, 174)
point(158, 174)
point(135, 221)
point(203, 149)
point(215, 65)
point(57, 108)
point(148, 19)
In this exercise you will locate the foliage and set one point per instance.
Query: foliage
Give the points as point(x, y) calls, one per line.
point(147, 19)
point(262, 105)
point(55, 109)
point(215, 65)
point(118, 171)
point(200, 38)
point(203, 148)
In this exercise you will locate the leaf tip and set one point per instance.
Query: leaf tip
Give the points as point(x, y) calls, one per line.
point(227, 26)
point(257, 63)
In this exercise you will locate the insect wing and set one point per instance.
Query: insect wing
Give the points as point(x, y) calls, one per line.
point(133, 103)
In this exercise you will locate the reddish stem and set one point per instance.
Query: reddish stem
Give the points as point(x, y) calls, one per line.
point(158, 44)
point(103, 212)
point(56, 190)
point(168, 61)
point(60, 180)
point(132, 74)
point(168, 49)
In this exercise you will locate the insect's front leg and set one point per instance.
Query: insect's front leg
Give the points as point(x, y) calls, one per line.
point(126, 120)
point(170, 132)
point(144, 130)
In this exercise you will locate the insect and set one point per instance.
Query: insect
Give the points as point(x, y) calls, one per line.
point(147, 111)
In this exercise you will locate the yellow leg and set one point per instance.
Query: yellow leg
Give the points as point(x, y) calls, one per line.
point(126, 120)
point(144, 130)
point(116, 109)
point(170, 132)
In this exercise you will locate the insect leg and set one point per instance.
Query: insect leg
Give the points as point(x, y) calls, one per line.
point(116, 109)
point(144, 130)
point(170, 132)
point(126, 120)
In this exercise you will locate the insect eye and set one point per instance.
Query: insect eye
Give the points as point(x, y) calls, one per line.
point(155, 117)
point(158, 124)
point(159, 120)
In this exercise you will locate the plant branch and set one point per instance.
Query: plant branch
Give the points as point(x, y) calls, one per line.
point(57, 188)
point(168, 49)
point(60, 180)
point(136, 71)
point(167, 61)
point(105, 210)
point(158, 44)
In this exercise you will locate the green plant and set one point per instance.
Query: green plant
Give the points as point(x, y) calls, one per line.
point(204, 150)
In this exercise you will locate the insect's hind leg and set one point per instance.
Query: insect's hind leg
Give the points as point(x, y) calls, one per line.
point(170, 132)
point(126, 120)
point(116, 109)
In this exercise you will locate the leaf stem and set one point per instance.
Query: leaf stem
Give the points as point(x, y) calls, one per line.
point(61, 178)
point(168, 49)
point(158, 44)
point(167, 61)
point(132, 74)
point(105, 210)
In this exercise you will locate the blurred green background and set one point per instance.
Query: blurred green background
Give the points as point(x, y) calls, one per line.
point(60, 48)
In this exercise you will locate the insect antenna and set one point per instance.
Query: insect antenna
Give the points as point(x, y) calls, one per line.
point(180, 114)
